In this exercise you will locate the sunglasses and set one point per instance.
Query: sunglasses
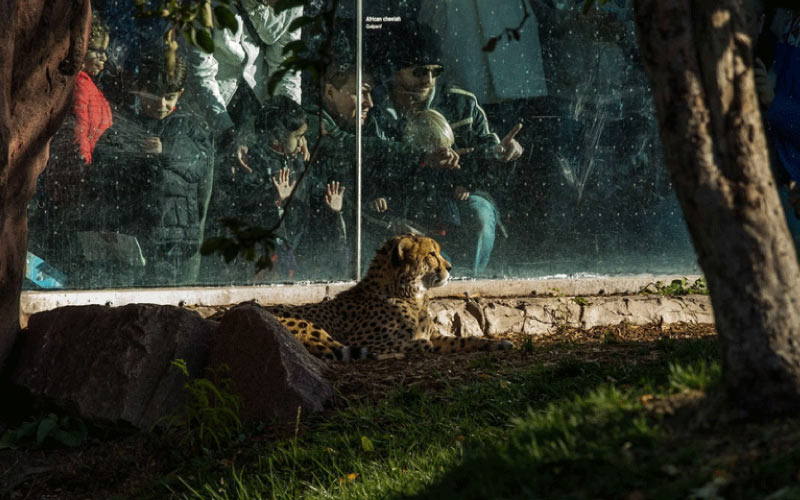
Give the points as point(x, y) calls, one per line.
point(421, 71)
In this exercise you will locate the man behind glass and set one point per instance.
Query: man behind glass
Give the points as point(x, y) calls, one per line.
point(446, 200)
point(387, 164)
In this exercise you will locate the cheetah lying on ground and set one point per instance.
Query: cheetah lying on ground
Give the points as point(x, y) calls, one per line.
point(386, 313)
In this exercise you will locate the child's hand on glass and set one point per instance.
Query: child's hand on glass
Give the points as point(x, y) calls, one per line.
point(283, 185)
point(379, 205)
point(334, 194)
point(303, 144)
point(460, 193)
point(151, 145)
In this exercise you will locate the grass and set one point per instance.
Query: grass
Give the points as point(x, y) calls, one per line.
point(574, 429)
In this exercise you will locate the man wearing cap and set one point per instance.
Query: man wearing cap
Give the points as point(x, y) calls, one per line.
point(382, 186)
point(412, 51)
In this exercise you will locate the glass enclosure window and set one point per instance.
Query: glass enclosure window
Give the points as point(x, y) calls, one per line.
point(539, 157)
point(581, 188)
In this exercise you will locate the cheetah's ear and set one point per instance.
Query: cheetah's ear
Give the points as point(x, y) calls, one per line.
point(399, 252)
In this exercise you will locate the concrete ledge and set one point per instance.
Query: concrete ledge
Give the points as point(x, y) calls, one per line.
point(300, 293)
point(545, 315)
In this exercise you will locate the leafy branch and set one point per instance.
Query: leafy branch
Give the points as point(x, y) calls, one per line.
point(194, 19)
point(514, 33)
point(509, 33)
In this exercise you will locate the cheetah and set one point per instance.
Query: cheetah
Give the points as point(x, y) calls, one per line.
point(386, 313)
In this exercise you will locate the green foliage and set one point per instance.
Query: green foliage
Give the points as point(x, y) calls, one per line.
point(609, 337)
point(287, 4)
point(225, 18)
point(527, 346)
point(484, 361)
point(300, 57)
point(209, 416)
point(302, 22)
point(677, 287)
point(195, 19)
point(581, 301)
point(46, 428)
point(245, 242)
point(700, 375)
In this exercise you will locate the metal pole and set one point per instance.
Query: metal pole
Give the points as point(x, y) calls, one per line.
point(359, 56)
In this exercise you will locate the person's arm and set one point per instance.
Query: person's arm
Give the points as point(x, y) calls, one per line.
point(271, 28)
point(469, 113)
point(290, 83)
point(203, 70)
point(273, 32)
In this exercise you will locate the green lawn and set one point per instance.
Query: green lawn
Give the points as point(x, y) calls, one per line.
point(609, 419)
point(573, 429)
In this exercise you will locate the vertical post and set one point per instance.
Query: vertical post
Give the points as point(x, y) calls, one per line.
point(359, 55)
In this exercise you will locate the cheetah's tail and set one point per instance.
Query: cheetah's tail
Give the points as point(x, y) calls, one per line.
point(351, 353)
point(442, 343)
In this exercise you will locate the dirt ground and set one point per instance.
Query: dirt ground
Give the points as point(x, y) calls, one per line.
point(113, 461)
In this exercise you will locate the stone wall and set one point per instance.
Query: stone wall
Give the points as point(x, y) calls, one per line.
point(542, 315)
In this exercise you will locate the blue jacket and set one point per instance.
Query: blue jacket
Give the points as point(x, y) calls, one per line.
point(783, 115)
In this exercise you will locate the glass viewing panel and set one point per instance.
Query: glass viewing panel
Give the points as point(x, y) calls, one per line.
point(554, 136)
point(581, 189)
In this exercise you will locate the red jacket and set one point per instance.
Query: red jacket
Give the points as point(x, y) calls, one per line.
point(92, 115)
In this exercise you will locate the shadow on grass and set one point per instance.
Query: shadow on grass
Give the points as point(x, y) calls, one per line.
point(576, 422)
point(602, 440)
point(569, 429)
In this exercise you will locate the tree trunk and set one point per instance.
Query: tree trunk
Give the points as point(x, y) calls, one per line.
point(699, 62)
point(42, 44)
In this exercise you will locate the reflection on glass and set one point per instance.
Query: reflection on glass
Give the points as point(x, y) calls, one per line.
point(560, 171)
point(536, 158)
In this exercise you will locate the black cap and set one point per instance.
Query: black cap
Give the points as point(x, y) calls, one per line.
point(410, 43)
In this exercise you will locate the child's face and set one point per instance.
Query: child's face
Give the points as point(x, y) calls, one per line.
point(294, 143)
point(96, 57)
point(159, 106)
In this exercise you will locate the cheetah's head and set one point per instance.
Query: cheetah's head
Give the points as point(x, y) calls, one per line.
point(411, 263)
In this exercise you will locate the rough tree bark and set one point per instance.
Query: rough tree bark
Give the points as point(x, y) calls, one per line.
point(699, 62)
point(42, 44)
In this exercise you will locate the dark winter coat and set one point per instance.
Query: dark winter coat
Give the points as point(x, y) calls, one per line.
point(161, 199)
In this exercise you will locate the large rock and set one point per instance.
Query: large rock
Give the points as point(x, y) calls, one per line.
point(112, 364)
point(271, 370)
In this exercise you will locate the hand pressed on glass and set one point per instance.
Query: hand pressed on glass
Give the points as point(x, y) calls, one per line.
point(283, 185)
point(379, 205)
point(460, 193)
point(334, 194)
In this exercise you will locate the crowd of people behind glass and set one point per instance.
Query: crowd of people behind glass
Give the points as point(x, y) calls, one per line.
point(152, 157)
